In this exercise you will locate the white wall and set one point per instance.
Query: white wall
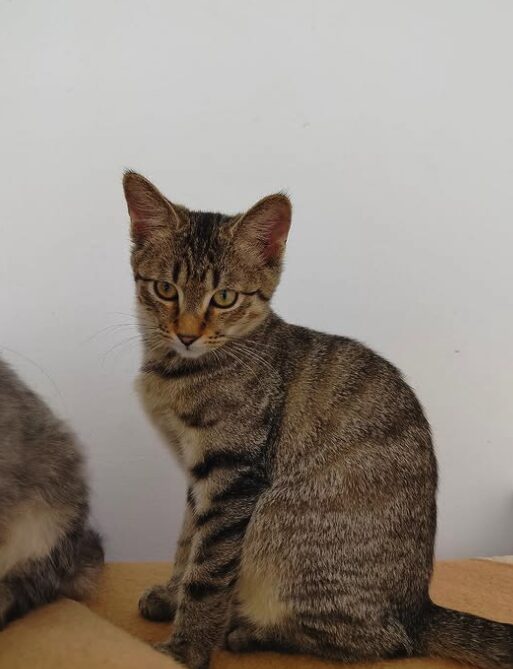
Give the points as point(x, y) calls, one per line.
point(389, 123)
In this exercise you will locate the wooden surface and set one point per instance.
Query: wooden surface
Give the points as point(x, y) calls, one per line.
point(109, 634)
point(476, 586)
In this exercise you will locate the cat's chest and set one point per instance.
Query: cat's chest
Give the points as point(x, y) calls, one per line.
point(166, 409)
point(188, 443)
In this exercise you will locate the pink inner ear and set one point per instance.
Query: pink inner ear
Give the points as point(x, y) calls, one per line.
point(146, 217)
point(148, 209)
point(141, 225)
point(278, 230)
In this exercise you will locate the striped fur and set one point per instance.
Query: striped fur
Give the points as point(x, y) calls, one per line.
point(47, 548)
point(311, 509)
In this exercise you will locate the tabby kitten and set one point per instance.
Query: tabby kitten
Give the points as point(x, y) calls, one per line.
point(311, 509)
point(47, 548)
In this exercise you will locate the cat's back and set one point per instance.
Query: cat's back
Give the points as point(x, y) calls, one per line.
point(341, 394)
point(37, 450)
point(340, 366)
point(20, 407)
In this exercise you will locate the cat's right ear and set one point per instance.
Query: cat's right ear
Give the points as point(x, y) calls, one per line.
point(149, 210)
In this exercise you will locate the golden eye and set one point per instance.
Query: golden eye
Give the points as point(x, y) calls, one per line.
point(165, 290)
point(224, 298)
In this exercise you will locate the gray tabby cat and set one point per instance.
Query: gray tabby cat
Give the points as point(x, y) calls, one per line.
point(47, 548)
point(311, 510)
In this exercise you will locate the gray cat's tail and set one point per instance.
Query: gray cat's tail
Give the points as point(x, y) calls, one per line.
point(467, 638)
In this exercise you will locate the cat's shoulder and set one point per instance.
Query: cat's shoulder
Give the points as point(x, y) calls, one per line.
point(342, 351)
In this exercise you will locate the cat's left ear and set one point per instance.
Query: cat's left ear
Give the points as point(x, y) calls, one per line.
point(266, 226)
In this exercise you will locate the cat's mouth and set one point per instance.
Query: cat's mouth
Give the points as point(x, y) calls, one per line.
point(189, 351)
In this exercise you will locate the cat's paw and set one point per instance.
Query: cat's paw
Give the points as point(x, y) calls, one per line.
point(157, 604)
point(239, 640)
point(187, 655)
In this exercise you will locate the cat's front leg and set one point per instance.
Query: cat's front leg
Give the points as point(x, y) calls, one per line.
point(206, 593)
point(209, 579)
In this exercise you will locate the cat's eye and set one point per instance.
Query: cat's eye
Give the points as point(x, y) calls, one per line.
point(165, 290)
point(224, 298)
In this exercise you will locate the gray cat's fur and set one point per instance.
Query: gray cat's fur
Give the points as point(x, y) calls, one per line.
point(47, 548)
point(311, 511)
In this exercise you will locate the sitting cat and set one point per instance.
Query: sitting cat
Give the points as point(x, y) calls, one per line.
point(311, 512)
point(47, 548)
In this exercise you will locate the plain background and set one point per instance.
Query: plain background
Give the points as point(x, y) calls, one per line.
point(389, 124)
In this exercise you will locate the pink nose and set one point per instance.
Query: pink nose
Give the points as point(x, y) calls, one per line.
point(187, 339)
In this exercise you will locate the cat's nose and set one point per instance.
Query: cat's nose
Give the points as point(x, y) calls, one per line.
point(187, 339)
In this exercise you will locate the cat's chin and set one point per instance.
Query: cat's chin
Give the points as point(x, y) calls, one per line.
point(190, 355)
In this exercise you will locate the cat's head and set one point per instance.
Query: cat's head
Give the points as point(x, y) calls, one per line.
point(202, 279)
